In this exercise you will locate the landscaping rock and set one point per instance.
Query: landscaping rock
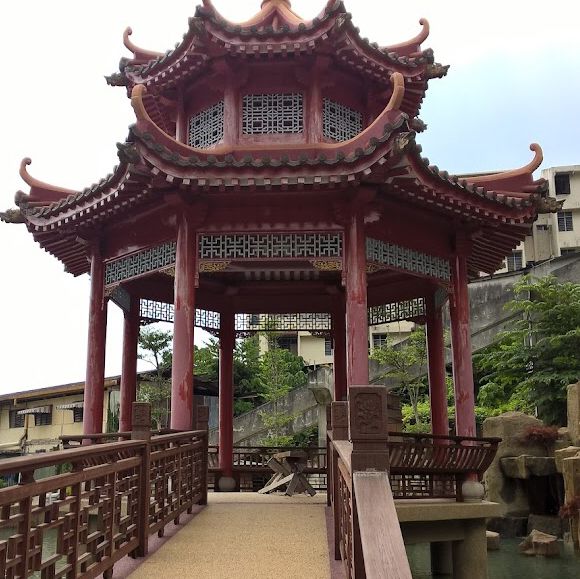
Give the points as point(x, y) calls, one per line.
point(510, 427)
point(574, 412)
point(568, 452)
point(492, 541)
point(547, 524)
point(540, 544)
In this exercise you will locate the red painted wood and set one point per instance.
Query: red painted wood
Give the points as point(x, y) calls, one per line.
point(129, 366)
point(95, 380)
point(182, 401)
point(436, 356)
point(461, 346)
point(339, 338)
point(226, 393)
point(356, 303)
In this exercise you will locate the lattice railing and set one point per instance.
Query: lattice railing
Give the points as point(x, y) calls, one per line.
point(80, 523)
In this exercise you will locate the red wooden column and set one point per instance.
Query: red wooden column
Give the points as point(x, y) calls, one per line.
point(129, 366)
point(357, 333)
point(339, 339)
point(436, 358)
point(95, 380)
point(461, 347)
point(182, 400)
point(226, 394)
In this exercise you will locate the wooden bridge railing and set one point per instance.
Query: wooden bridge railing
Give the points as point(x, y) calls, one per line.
point(370, 467)
point(103, 506)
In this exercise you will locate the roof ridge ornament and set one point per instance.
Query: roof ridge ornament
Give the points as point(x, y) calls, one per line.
point(524, 171)
point(414, 44)
point(398, 84)
point(138, 53)
point(39, 190)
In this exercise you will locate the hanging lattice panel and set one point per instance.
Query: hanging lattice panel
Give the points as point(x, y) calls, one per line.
point(396, 312)
point(407, 259)
point(340, 123)
point(266, 114)
point(206, 128)
point(152, 311)
point(270, 246)
point(283, 322)
point(146, 261)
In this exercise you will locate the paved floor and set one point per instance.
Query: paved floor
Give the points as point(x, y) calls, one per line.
point(246, 535)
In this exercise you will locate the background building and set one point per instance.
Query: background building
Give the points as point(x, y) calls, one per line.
point(553, 234)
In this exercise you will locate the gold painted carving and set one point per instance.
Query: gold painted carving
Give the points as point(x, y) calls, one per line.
point(327, 264)
point(213, 266)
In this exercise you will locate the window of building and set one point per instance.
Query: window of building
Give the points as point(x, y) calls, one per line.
point(328, 346)
point(340, 123)
point(266, 114)
point(542, 227)
point(43, 419)
point(562, 181)
point(379, 340)
point(565, 222)
point(206, 128)
point(514, 261)
point(77, 414)
point(569, 250)
point(16, 420)
point(289, 343)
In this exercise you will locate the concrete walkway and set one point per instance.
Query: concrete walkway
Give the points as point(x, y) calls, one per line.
point(246, 535)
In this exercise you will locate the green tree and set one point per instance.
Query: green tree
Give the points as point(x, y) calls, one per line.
point(155, 348)
point(531, 364)
point(406, 363)
point(246, 374)
point(280, 372)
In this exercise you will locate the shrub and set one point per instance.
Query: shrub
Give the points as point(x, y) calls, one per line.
point(546, 435)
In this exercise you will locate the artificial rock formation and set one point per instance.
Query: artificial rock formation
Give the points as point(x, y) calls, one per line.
point(510, 427)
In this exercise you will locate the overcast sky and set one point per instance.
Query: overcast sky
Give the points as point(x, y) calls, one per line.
point(514, 80)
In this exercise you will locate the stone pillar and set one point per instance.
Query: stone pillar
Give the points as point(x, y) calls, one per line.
point(129, 365)
point(356, 302)
point(95, 380)
point(461, 347)
point(441, 559)
point(226, 400)
point(182, 399)
point(470, 555)
point(368, 427)
point(574, 413)
point(339, 339)
point(436, 359)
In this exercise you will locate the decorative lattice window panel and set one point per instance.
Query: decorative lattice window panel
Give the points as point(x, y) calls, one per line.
point(206, 128)
point(146, 261)
point(340, 123)
point(407, 259)
point(270, 246)
point(265, 114)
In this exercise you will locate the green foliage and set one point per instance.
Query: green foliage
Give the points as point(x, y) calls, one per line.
point(113, 418)
point(206, 359)
point(280, 371)
point(308, 437)
point(531, 364)
point(155, 348)
point(406, 364)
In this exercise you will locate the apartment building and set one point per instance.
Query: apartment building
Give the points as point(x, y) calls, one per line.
point(553, 234)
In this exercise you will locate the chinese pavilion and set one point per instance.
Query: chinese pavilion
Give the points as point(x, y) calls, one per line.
point(273, 173)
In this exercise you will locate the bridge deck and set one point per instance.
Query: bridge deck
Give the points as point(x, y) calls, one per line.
point(246, 535)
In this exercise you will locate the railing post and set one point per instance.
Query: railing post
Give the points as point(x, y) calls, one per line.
point(142, 431)
point(368, 433)
point(202, 420)
point(328, 456)
point(339, 421)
